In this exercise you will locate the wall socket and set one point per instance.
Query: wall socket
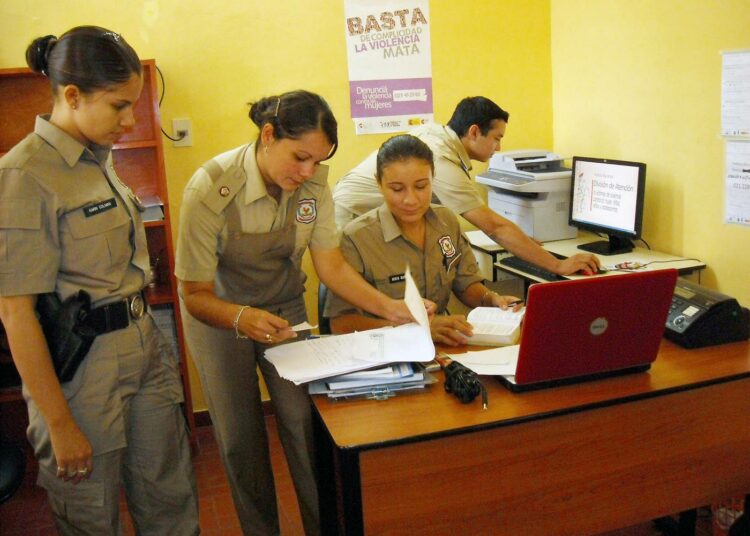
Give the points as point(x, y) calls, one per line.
point(180, 126)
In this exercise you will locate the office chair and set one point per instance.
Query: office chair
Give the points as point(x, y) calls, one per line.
point(12, 458)
point(12, 470)
point(324, 324)
point(741, 526)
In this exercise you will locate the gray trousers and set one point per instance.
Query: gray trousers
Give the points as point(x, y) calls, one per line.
point(125, 398)
point(227, 369)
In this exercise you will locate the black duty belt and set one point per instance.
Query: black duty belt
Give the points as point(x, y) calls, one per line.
point(117, 315)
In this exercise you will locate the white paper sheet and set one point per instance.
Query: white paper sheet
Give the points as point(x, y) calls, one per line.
point(735, 93)
point(312, 359)
point(302, 326)
point(499, 361)
point(737, 182)
point(414, 301)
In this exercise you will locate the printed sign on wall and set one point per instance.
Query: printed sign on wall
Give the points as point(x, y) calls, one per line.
point(390, 64)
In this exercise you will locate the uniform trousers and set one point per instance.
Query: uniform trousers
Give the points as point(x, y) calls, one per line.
point(125, 398)
point(227, 369)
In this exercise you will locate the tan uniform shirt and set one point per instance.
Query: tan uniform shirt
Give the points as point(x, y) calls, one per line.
point(358, 192)
point(374, 246)
point(203, 231)
point(67, 222)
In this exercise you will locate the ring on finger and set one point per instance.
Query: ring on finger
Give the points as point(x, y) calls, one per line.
point(60, 471)
point(268, 337)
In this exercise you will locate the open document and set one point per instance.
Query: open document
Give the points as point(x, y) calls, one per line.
point(493, 326)
point(313, 359)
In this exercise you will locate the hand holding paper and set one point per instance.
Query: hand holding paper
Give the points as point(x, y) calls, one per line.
point(308, 360)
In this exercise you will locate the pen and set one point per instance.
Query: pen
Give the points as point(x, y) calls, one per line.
point(514, 302)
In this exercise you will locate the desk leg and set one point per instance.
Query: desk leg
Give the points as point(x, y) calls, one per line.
point(339, 488)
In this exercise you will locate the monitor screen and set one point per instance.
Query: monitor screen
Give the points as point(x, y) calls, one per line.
point(607, 197)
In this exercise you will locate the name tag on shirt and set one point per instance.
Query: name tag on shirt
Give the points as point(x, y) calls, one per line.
point(397, 278)
point(98, 208)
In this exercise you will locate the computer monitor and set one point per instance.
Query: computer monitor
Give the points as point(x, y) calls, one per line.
point(606, 196)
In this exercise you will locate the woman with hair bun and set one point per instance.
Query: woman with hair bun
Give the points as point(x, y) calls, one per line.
point(69, 224)
point(247, 217)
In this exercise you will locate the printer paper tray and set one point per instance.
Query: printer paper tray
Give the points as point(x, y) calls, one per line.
point(551, 182)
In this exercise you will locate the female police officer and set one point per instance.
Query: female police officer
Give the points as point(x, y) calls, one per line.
point(67, 223)
point(247, 217)
point(407, 229)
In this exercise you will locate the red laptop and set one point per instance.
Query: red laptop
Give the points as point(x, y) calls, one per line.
point(589, 328)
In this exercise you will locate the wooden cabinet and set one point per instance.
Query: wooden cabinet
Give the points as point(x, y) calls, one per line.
point(139, 161)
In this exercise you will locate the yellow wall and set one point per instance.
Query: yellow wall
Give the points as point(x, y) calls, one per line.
point(216, 56)
point(641, 80)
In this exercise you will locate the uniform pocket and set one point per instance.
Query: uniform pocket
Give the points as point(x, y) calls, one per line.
point(88, 239)
point(81, 505)
point(16, 217)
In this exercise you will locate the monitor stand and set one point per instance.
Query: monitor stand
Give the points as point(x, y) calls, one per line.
point(614, 246)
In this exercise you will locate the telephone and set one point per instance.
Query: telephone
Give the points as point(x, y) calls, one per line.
point(701, 317)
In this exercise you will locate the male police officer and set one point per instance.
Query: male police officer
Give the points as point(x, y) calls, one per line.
point(474, 132)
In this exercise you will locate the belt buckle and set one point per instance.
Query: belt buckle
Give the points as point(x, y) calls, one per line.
point(136, 306)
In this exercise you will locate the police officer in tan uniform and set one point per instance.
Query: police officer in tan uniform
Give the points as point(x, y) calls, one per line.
point(474, 132)
point(408, 230)
point(247, 217)
point(67, 223)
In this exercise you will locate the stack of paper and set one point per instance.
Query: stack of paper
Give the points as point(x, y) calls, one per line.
point(381, 382)
point(313, 359)
point(153, 208)
point(396, 372)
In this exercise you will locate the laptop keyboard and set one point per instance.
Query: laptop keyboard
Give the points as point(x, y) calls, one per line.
point(521, 265)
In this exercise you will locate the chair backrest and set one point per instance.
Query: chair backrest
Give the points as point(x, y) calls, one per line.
point(12, 470)
point(324, 324)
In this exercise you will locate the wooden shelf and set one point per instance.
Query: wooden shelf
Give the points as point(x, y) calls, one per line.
point(139, 161)
point(10, 394)
point(133, 144)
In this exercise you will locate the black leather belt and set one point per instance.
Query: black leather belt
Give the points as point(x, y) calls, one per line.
point(117, 315)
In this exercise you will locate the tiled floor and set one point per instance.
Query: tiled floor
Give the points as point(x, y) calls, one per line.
point(27, 513)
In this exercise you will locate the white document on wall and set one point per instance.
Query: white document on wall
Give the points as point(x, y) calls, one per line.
point(735, 93)
point(313, 359)
point(737, 182)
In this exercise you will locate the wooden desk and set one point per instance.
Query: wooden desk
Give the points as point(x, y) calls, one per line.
point(580, 459)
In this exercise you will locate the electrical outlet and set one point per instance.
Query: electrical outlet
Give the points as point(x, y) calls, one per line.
point(180, 127)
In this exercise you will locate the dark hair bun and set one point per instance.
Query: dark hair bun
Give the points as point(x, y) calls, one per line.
point(262, 111)
point(37, 54)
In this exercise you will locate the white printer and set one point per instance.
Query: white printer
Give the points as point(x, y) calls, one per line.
point(532, 189)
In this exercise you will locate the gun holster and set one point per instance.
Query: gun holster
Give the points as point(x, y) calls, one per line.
point(68, 337)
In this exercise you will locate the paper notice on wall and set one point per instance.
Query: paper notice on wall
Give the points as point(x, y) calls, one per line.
point(737, 182)
point(390, 64)
point(735, 93)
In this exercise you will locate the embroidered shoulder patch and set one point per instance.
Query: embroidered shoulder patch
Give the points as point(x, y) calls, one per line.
point(306, 211)
point(446, 246)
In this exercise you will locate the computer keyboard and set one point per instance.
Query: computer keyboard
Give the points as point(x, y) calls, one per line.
point(521, 265)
